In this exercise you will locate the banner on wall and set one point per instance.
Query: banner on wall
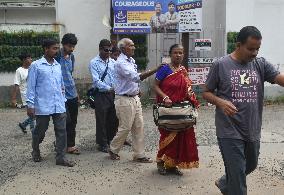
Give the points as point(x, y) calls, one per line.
point(156, 16)
point(198, 76)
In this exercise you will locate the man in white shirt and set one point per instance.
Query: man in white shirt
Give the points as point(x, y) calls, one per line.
point(127, 103)
point(20, 84)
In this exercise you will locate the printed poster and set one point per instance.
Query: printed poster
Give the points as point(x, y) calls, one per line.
point(198, 76)
point(156, 16)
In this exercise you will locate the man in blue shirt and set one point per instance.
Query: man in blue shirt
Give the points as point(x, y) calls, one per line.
point(66, 60)
point(101, 68)
point(45, 98)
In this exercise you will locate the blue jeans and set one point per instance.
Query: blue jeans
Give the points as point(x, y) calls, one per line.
point(29, 121)
point(240, 159)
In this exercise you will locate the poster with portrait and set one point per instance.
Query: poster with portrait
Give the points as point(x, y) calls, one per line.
point(156, 16)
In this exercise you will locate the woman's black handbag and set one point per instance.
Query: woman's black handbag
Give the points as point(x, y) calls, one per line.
point(178, 117)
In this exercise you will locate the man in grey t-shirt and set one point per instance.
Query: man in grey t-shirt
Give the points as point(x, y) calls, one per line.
point(235, 84)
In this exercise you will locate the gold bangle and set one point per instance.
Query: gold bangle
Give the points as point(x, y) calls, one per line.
point(165, 98)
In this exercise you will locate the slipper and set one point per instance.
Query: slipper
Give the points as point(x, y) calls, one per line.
point(143, 160)
point(113, 156)
point(74, 151)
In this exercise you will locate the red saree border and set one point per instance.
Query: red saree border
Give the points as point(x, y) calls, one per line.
point(170, 162)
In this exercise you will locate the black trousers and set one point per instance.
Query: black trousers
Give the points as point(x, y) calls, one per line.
point(71, 120)
point(42, 122)
point(106, 120)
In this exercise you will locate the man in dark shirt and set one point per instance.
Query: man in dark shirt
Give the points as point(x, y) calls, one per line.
point(235, 84)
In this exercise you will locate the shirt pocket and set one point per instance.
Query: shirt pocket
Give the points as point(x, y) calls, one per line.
point(44, 74)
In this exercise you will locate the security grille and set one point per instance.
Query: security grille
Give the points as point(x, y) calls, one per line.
point(27, 3)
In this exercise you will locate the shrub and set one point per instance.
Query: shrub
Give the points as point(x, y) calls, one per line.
point(12, 44)
point(231, 41)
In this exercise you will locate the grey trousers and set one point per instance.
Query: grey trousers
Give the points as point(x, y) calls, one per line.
point(240, 159)
point(42, 122)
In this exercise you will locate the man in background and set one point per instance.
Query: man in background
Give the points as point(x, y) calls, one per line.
point(102, 70)
point(67, 60)
point(20, 84)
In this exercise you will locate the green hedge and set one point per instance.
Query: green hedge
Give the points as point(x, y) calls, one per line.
point(25, 38)
point(231, 41)
point(12, 44)
point(7, 51)
point(141, 51)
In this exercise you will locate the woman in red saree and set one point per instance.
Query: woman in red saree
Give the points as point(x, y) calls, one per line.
point(177, 150)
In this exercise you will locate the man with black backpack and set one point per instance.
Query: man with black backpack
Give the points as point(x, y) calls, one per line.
point(102, 70)
point(66, 59)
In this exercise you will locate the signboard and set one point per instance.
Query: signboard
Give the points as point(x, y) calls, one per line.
point(198, 76)
point(202, 44)
point(190, 14)
point(156, 16)
point(200, 60)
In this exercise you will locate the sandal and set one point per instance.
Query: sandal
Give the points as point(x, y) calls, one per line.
point(161, 169)
point(113, 156)
point(143, 160)
point(176, 171)
point(74, 151)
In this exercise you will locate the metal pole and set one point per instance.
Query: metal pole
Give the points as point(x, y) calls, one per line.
point(185, 44)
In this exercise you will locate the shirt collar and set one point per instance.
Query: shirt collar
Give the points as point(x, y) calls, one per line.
point(101, 60)
point(44, 61)
point(123, 56)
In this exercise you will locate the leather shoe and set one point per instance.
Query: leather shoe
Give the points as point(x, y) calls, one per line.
point(65, 163)
point(22, 128)
point(36, 157)
point(104, 149)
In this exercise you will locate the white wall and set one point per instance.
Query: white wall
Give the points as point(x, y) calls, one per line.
point(17, 19)
point(84, 18)
point(28, 15)
point(267, 16)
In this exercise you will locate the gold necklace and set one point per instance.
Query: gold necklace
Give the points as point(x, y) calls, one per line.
point(174, 68)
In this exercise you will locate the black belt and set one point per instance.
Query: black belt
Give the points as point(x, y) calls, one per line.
point(129, 95)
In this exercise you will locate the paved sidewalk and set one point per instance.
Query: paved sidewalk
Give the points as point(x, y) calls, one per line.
point(96, 174)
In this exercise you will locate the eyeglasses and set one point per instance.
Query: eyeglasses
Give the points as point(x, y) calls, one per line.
point(107, 50)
